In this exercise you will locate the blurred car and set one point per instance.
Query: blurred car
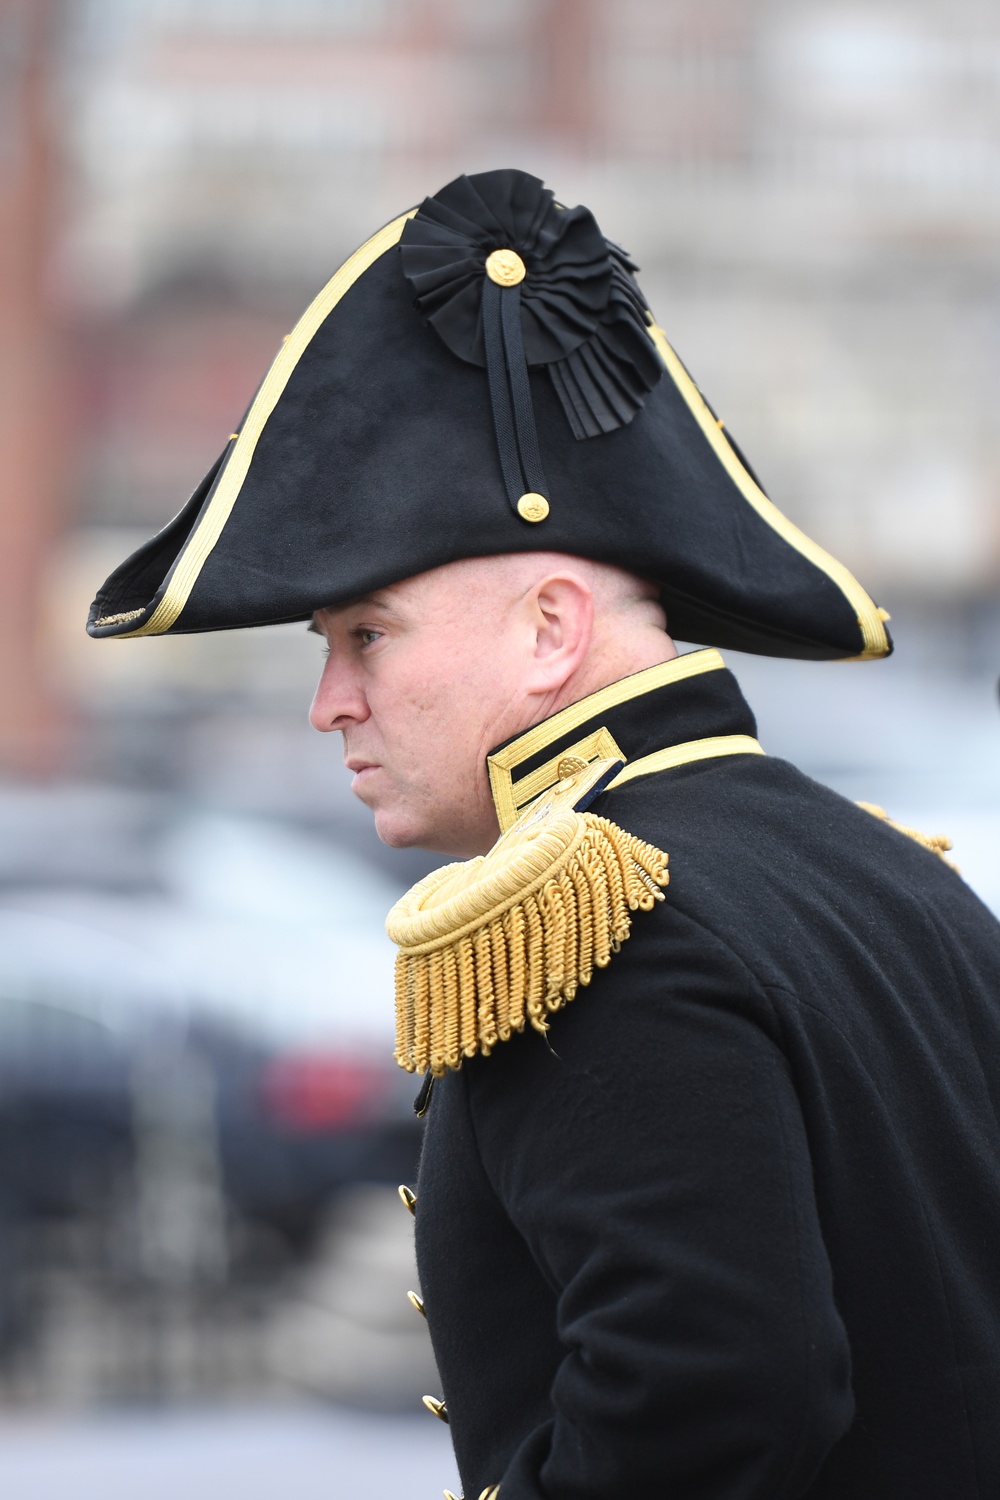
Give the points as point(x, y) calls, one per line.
point(164, 1151)
point(296, 1127)
point(195, 1063)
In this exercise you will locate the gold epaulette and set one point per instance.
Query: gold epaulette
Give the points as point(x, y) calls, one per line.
point(937, 843)
point(489, 944)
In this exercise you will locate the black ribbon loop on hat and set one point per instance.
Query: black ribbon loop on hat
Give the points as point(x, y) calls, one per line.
point(510, 393)
point(579, 310)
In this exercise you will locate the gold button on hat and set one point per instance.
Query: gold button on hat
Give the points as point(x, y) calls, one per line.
point(505, 267)
point(532, 507)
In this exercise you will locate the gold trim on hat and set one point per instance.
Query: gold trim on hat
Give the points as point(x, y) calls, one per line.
point(869, 617)
point(209, 529)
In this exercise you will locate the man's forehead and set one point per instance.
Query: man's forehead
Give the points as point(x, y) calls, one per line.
point(469, 576)
point(411, 594)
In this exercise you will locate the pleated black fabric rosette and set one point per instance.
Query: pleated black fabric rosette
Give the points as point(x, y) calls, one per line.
point(577, 311)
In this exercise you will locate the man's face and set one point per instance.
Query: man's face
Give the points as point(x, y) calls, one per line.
point(422, 679)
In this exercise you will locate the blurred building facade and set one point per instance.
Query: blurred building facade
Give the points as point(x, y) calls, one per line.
point(813, 193)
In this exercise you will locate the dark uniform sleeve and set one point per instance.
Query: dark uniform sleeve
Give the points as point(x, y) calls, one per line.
point(654, 1159)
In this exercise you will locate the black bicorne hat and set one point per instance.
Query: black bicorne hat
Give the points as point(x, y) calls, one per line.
point(484, 376)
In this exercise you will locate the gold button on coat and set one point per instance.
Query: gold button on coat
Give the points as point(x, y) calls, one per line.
point(408, 1197)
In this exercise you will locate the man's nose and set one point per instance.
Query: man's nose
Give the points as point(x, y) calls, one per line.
point(338, 701)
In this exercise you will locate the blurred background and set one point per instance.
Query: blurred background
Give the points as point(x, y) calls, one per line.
point(203, 1262)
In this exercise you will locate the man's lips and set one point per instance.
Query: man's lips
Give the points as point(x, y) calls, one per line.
point(362, 769)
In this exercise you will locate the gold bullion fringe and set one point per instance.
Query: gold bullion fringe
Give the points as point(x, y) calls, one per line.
point(528, 959)
point(937, 843)
point(130, 614)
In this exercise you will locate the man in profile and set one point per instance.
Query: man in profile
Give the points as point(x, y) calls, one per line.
point(709, 1202)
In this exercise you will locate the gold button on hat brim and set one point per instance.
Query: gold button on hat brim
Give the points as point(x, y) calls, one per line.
point(505, 267)
point(532, 507)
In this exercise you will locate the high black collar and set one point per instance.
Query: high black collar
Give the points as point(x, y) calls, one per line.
point(680, 710)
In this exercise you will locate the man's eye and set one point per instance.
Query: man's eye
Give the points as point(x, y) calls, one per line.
point(366, 636)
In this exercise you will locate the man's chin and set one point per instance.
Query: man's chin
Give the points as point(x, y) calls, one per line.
point(393, 825)
point(398, 832)
point(395, 834)
point(398, 828)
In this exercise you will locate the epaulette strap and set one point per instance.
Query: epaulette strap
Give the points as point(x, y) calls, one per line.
point(490, 944)
point(937, 843)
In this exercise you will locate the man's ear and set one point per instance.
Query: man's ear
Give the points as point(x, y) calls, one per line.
point(563, 620)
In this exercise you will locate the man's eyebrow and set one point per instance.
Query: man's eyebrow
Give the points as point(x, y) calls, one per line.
point(364, 601)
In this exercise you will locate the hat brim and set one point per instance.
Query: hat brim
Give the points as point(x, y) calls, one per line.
point(368, 456)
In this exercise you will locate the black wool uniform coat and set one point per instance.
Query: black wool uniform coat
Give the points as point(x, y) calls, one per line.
point(732, 1230)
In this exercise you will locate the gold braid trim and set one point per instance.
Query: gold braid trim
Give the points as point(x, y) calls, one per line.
point(130, 614)
point(491, 944)
point(937, 843)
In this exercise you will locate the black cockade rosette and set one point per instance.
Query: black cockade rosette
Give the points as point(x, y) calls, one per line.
point(574, 309)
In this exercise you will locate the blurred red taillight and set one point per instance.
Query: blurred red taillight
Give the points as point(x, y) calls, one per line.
point(316, 1092)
